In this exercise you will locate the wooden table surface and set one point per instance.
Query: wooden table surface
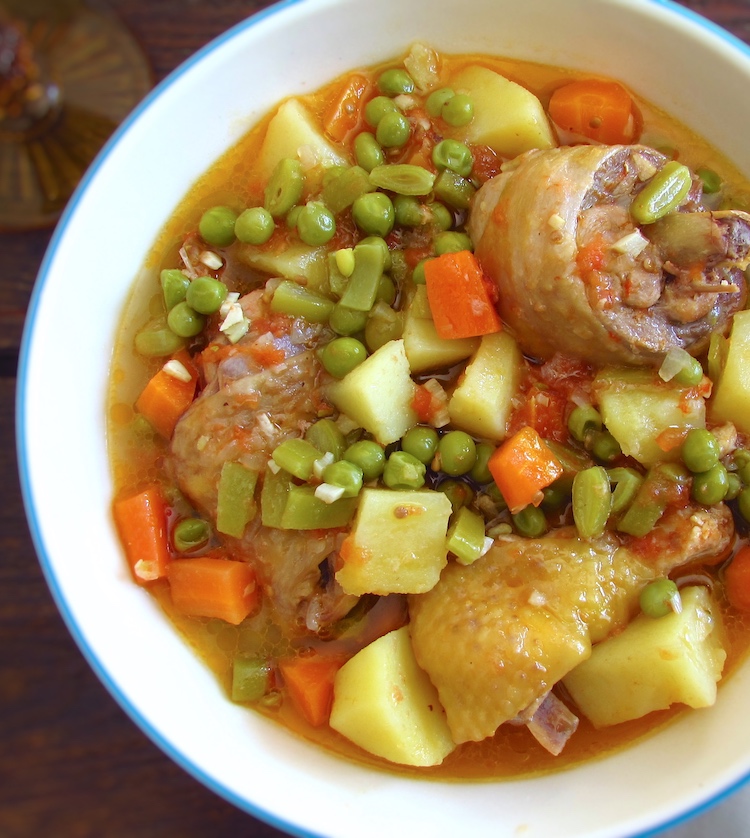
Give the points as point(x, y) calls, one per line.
point(71, 762)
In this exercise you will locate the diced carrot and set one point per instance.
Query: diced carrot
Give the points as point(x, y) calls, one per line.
point(141, 521)
point(737, 579)
point(213, 586)
point(344, 112)
point(422, 403)
point(309, 681)
point(165, 398)
point(671, 438)
point(600, 110)
point(521, 467)
point(459, 301)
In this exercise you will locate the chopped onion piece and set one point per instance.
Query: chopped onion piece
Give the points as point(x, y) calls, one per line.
point(176, 369)
point(675, 361)
point(486, 545)
point(632, 244)
point(556, 221)
point(211, 260)
point(230, 299)
point(146, 570)
point(273, 468)
point(319, 466)
point(329, 493)
point(237, 331)
point(405, 102)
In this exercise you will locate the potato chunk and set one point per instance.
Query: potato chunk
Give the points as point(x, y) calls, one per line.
point(378, 393)
point(653, 664)
point(731, 397)
point(387, 705)
point(424, 348)
point(291, 132)
point(637, 406)
point(397, 543)
point(507, 117)
point(482, 401)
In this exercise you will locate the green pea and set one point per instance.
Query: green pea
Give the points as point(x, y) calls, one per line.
point(190, 533)
point(326, 436)
point(734, 486)
point(458, 453)
point(367, 151)
point(592, 501)
point(395, 82)
point(254, 226)
point(421, 442)
point(216, 226)
point(604, 446)
point(386, 290)
point(157, 343)
point(530, 521)
point(454, 190)
point(743, 503)
point(557, 494)
point(383, 325)
point(347, 321)
point(711, 180)
point(377, 108)
point(442, 217)
point(346, 475)
point(285, 187)
point(451, 241)
point(583, 420)
point(480, 470)
point(403, 471)
point(206, 294)
point(742, 462)
point(660, 598)
point(458, 492)
point(437, 99)
point(342, 355)
point(393, 130)
point(458, 110)
point(453, 155)
point(700, 450)
point(418, 273)
point(373, 213)
point(316, 224)
point(710, 487)
point(368, 455)
point(185, 321)
point(666, 190)
point(690, 375)
point(174, 285)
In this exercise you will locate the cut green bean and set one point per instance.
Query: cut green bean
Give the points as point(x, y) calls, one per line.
point(190, 533)
point(235, 504)
point(458, 492)
point(297, 457)
point(627, 482)
point(291, 298)
point(402, 471)
point(157, 343)
point(326, 436)
point(174, 286)
point(305, 511)
point(362, 288)
point(285, 187)
point(592, 501)
point(583, 420)
point(341, 192)
point(662, 194)
point(454, 190)
point(403, 179)
point(465, 537)
point(251, 678)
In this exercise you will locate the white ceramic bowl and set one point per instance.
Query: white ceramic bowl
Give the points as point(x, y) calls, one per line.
point(689, 67)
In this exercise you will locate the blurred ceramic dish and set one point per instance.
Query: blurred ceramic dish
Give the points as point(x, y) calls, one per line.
point(692, 69)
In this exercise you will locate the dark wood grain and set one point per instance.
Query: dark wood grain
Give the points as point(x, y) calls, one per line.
point(71, 762)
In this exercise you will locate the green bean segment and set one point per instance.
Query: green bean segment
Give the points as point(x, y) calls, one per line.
point(296, 456)
point(285, 187)
point(627, 482)
point(403, 179)
point(362, 288)
point(592, 501)
point(157, 343)
point(174, 286)
point(458, 492)
point(235, 502)
point(326, 436)
point(250, 679)
point(454, 190)
point(583, 420)
point(662, 194)
point(341, 191)
point(291, 298)
point(190, 533)
point(402, 471)
point(465, 537)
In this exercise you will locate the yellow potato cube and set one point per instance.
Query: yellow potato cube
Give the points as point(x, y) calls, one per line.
point(507, 117)
point(387, 705)
point(378, 393)
point(731, 396)
point(397, 543)
point(653, 664)
point(482, 401)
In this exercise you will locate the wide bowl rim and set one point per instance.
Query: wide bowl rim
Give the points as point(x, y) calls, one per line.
point(46, 561)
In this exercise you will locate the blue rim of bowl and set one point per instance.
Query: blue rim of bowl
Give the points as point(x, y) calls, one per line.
point(21, 443)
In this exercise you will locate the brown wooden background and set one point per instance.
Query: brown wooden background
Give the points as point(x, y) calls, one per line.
point(71, 762)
